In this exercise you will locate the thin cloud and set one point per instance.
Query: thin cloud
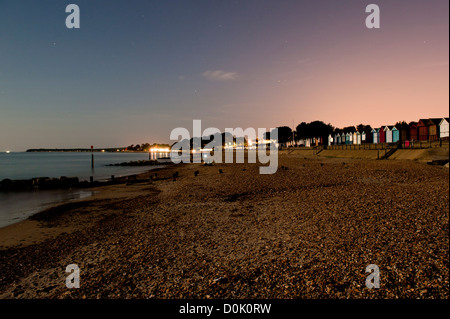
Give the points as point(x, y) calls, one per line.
point(220, 75)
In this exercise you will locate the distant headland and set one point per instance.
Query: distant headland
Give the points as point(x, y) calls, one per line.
point(146, 147)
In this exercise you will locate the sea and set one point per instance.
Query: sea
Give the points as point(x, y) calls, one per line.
point(17, 206)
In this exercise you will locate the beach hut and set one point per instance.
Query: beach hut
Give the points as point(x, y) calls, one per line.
point(358, 138)
point(363, 137)
point(307, 142)
point(375, 136)
point(433, 129)
point(330, 140)
point(444, 128)
point(413, 136)
point(395, 135)
point(343, 138)
point(354, 138)
point(422, 129)
point(369, 136)
point(382, 137)
point(347, 138)
point(388, 132)
point(403, 135)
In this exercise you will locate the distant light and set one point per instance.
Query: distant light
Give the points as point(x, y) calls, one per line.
point(7, 152)
point(161, 150)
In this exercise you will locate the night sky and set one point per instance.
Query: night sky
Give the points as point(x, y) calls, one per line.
point(135, 70)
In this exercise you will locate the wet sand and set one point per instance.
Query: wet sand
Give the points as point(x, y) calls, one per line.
point(308, 231)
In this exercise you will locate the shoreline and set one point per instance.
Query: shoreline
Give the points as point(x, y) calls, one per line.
point(91, 187)
point(265, 236)
point(29, 230)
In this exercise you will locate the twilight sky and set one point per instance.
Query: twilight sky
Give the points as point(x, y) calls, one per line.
point(137, 69)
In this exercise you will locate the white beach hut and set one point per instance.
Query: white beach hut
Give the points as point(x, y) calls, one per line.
point(388, 130)
point(358, 138)
point(444, 128)
point(354, 138)
point(307, 142)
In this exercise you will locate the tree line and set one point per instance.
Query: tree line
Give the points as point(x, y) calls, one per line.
point(145, 147)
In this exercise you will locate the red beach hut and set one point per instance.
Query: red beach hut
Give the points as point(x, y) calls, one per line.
point(383, 134)
point(413, 136)
point(423, 129)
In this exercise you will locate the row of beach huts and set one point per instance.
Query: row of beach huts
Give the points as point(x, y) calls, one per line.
point(432, 129)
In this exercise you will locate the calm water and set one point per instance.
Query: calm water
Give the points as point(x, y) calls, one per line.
point(77, 164)
point(17, 206)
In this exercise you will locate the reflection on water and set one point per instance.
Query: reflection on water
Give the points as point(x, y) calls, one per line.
point(17, 206)
point(153, 156)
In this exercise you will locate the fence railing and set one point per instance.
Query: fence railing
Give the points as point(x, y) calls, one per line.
point(379, 146)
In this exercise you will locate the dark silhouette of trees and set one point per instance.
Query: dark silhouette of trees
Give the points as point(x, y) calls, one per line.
point(284, 134)
point(349, 129)
point(316, 129)
point(401, 125)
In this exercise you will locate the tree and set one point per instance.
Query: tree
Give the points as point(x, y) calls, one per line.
point(314, 129)
point(302, 130)
point(284, 134)
point(402, 125)
point(349, 129)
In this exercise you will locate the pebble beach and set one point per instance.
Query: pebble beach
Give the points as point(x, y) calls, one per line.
point(307, 231)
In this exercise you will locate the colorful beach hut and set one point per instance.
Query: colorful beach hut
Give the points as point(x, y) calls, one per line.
point(382, 137)
point(347, 138)
point(395, 135)
point(375, 136)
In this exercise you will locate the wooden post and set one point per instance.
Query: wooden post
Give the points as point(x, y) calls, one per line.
point(92, 156)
